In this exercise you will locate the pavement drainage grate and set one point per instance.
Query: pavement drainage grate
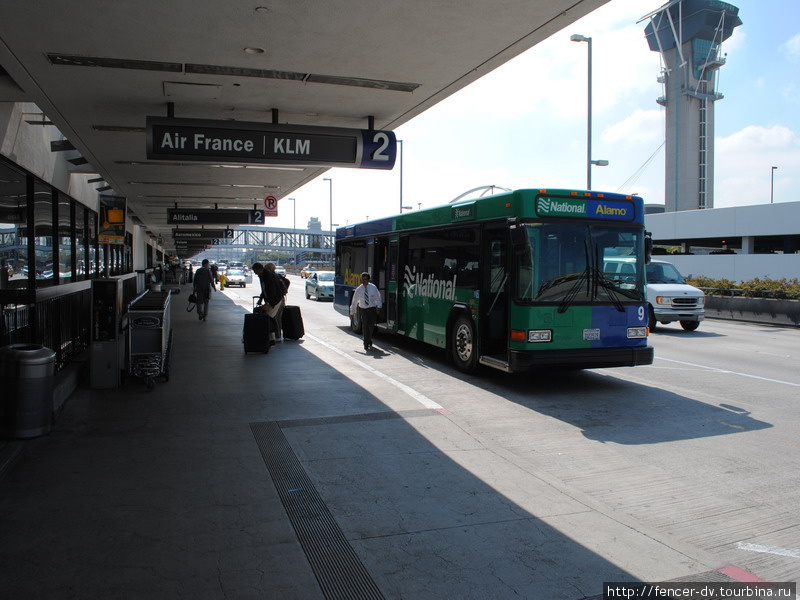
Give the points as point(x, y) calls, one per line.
point(338, 570)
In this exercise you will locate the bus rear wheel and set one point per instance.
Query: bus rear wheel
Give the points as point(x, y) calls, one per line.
point(463, 345)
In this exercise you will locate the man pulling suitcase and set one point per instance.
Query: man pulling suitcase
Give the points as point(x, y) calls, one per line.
point(271, 294)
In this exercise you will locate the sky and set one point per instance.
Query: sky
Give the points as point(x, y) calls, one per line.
point(524, 124)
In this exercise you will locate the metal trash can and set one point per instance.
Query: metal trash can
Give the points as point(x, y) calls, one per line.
point(27, 373)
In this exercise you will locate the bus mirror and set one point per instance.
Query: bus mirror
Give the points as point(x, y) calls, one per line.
point(648, 247)
point(519, 238)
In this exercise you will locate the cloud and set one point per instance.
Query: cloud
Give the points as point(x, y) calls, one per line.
point(791, 49)
point(744, 162)
point(643, 126)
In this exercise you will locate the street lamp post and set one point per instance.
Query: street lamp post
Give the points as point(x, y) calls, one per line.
point(772, 184)
point(400, 143)
point(581, 38)
point(294, 229)
point(330, 197)
point(589, 162)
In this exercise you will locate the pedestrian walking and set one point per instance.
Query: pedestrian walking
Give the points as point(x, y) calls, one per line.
point(366, 301)
point(202, 287)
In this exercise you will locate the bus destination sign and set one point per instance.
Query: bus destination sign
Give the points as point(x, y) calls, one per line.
point(585, 208)
point(269, 143)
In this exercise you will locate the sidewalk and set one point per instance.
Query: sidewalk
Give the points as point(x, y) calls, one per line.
point(161, 494)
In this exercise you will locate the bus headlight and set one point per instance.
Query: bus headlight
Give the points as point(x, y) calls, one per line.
point(635, 333)
point(540, 335)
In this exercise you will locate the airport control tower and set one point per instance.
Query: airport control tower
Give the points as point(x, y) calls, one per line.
point(688, 34)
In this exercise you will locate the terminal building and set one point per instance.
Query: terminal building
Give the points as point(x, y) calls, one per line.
point(736, 243)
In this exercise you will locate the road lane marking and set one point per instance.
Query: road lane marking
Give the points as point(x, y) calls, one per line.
point(419, 397)
point(791, 553)
point(718, 370)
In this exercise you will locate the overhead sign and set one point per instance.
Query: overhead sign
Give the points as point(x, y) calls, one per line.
point(269, 143)
point(112, 220)
point(199, 234)
point(585, 208)
point(270, 206)
point(210, 216)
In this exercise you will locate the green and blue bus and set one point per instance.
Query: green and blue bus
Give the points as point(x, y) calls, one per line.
point(513, 281)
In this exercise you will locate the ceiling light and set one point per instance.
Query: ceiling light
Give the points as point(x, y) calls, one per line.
point(119, 128)
point(163, 163)
point(397, 86)
point(254, 50)
point(114, 63)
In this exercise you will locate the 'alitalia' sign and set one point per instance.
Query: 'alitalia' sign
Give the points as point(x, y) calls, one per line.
point(584, 208)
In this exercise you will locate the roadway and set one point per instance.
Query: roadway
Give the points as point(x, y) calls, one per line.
point(702, 446)
point(323, 471)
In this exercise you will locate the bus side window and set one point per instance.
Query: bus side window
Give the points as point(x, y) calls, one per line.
point(469, 267)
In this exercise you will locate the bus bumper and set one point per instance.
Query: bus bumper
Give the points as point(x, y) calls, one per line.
point(588, 358)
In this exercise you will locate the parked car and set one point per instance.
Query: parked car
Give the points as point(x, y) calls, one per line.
point(671, 298)
point(235, 276)
point(320, 284)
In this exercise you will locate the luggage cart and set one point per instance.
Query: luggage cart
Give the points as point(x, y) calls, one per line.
point(150, 336)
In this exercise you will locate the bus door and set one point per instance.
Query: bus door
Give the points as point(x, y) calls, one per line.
point(381, 276)
point(392, 288)
point(494, 295)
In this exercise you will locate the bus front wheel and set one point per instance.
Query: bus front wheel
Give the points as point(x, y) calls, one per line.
point(355, 323)
point(463, 345)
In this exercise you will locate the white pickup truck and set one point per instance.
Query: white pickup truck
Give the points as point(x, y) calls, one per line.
point(671, 298)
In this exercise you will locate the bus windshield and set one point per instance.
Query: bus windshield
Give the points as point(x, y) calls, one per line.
point(570, 263)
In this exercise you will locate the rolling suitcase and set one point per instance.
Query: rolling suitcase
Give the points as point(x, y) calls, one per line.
point(256, 332)
point(292, 323)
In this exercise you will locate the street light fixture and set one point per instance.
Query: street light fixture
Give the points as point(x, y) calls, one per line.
point(772, 184)
point(589, 162)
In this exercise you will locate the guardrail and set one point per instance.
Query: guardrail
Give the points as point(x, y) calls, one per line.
point(57, 317)
point(768, 311)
